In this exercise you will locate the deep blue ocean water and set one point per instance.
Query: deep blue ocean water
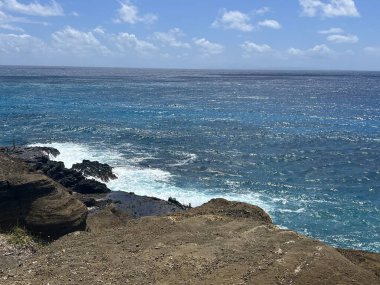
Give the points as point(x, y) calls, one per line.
point(305, 146)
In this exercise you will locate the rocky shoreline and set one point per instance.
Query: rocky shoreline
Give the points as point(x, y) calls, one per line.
point(77, 184)
point(105, 237)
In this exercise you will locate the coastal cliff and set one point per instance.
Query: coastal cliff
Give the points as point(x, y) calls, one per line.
point(126, 242)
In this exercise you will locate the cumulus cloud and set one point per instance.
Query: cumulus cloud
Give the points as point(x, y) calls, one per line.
point(331, 31)
point(127, 41)
point(329, 8)
point(70, 40)
point(129, 13)
point(250, 47)
point(78, 44)
point(170, 38)
point(234, 20)
point(273, 24)
point(207, 47)
point(316, 50)
point(24, 43)
point(343, 38)
point(33, 8)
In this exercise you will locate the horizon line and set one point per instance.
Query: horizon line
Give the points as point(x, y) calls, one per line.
point(190, 69)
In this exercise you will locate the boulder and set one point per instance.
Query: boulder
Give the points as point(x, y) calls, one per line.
point(56, 214)
point(34, 200)
point(95, 169)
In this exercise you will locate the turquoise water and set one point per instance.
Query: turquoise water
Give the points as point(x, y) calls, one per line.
point(305, 146)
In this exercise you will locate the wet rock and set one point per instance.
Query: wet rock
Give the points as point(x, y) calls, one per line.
point(90, 186)
point(140, 206)
point(57, 171)
point(38, 158)
point(95, 169)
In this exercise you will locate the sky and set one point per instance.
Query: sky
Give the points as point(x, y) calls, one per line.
point(223, 34)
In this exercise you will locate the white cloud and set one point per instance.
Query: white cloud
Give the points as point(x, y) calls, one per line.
point(171, 38)
point(295, 51)
point(6, 20)
point(329, 8)
point(33, 8)
point(16, 44)
point(234, 20)
point(70, 40)
point(343, 38)
point(99, 30)
point(253, 47)
point(316, 50)
point(262, 11)
point(273, 24)
point(11, 28)
point(320, 49)
point(372, 51)
point(331, 31)
point(126, 41)
point(129, 13)
point(207, 47)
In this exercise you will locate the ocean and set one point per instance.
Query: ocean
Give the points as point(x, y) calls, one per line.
point(303, 145)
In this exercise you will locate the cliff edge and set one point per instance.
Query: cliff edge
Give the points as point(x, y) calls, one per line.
point(221, 242)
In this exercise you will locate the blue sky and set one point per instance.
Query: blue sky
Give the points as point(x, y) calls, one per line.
point(240, 34)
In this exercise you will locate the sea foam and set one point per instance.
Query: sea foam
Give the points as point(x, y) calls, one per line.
point(144, 181)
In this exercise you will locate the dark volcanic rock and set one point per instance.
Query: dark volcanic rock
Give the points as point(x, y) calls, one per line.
point(57, 171)
point(32, 199)
point(38, 159)
point(95, 169)
point(90, 186)
point(9, 206)
point(178, 204)
point(30, 154)
point(140, 206)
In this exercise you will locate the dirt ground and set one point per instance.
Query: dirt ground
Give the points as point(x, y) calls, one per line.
point(219, 243)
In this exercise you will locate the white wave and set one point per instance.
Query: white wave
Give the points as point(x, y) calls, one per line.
point(300, 210)
point(189, 158)
point(71, 153)
point(145, 181)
